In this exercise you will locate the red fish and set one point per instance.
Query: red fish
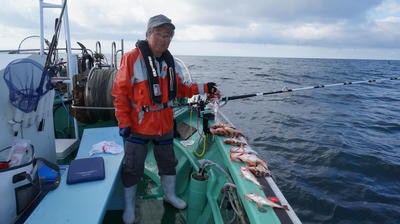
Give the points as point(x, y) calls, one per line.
point(233, 141)
point(260, 201)
point(249, 175)
point(240, 149)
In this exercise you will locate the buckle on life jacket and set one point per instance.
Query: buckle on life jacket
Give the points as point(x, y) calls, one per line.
point(158, 108)
point(151, 108)
point(145, 109)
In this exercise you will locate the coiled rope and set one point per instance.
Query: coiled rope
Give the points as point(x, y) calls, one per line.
point(99, 86)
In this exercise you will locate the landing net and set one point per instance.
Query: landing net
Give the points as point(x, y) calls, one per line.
point(23, 78)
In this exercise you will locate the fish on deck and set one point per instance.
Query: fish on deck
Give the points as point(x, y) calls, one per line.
point(233, 141)
point(260, 201)
point(246, 173)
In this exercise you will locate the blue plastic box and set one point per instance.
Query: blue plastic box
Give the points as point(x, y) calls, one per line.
point(46, 174)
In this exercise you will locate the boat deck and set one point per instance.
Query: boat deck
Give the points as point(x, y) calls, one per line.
point(83, 202)
point(270, 189)
point(89, 202)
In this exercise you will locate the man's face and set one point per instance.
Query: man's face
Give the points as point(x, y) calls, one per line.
point(159, 40)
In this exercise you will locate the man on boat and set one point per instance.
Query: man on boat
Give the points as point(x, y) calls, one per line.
point(146, 85)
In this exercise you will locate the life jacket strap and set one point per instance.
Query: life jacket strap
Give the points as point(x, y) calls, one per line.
point(141, 141)
point(136, 140)
point(165, 142)
point(151, 108)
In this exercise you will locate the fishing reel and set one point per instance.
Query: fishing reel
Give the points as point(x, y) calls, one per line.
point(203, 106)
point(205, 102)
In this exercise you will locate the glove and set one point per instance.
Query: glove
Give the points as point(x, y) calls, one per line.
point(124, 132)
point(212, 87)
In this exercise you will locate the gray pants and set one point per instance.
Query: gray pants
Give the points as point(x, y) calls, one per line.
point(135, 156)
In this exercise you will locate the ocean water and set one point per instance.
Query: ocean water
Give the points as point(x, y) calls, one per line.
point(334, 152)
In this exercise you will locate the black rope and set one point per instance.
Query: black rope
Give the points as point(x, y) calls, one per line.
point(99, 87)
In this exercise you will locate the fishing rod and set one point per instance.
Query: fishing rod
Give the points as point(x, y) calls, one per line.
point(48, 69)
point(52, 48)
point(54, 41)
point(286, 90)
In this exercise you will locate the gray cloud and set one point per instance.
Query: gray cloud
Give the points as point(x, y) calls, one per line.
point(346, 23)
point(320, 23)
point(232, 13)
point(13, 18)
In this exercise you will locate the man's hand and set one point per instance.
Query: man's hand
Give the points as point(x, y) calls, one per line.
point(124, 132)
point(213, 91)
point(212, 87)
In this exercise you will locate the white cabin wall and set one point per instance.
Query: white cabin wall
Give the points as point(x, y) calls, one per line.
point(43, 141)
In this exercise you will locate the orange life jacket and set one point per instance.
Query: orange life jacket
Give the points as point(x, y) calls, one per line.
point(134, 107)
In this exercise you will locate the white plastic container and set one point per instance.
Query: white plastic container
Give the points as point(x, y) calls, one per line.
point(20, 153)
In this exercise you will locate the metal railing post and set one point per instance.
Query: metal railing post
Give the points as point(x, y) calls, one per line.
point(41, 29)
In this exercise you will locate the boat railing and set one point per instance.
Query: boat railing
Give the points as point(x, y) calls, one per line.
point(32, 36)
point(92, 108)
point(34, 50)
point(113, 55)
point(122, 48)
point(98, 56)
point(98, 47)
point(186, 72)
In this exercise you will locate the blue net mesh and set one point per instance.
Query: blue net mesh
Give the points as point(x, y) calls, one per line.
point(27, 82)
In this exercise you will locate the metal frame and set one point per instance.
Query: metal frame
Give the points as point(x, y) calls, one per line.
point(70, 68)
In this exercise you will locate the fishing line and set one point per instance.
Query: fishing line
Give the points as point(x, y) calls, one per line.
point(286, 90)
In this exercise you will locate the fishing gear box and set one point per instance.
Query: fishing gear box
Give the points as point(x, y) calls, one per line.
point(20, 183)
point(86, 169)
point(48, 176)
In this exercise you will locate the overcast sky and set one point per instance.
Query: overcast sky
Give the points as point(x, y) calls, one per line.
point(267, 28)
